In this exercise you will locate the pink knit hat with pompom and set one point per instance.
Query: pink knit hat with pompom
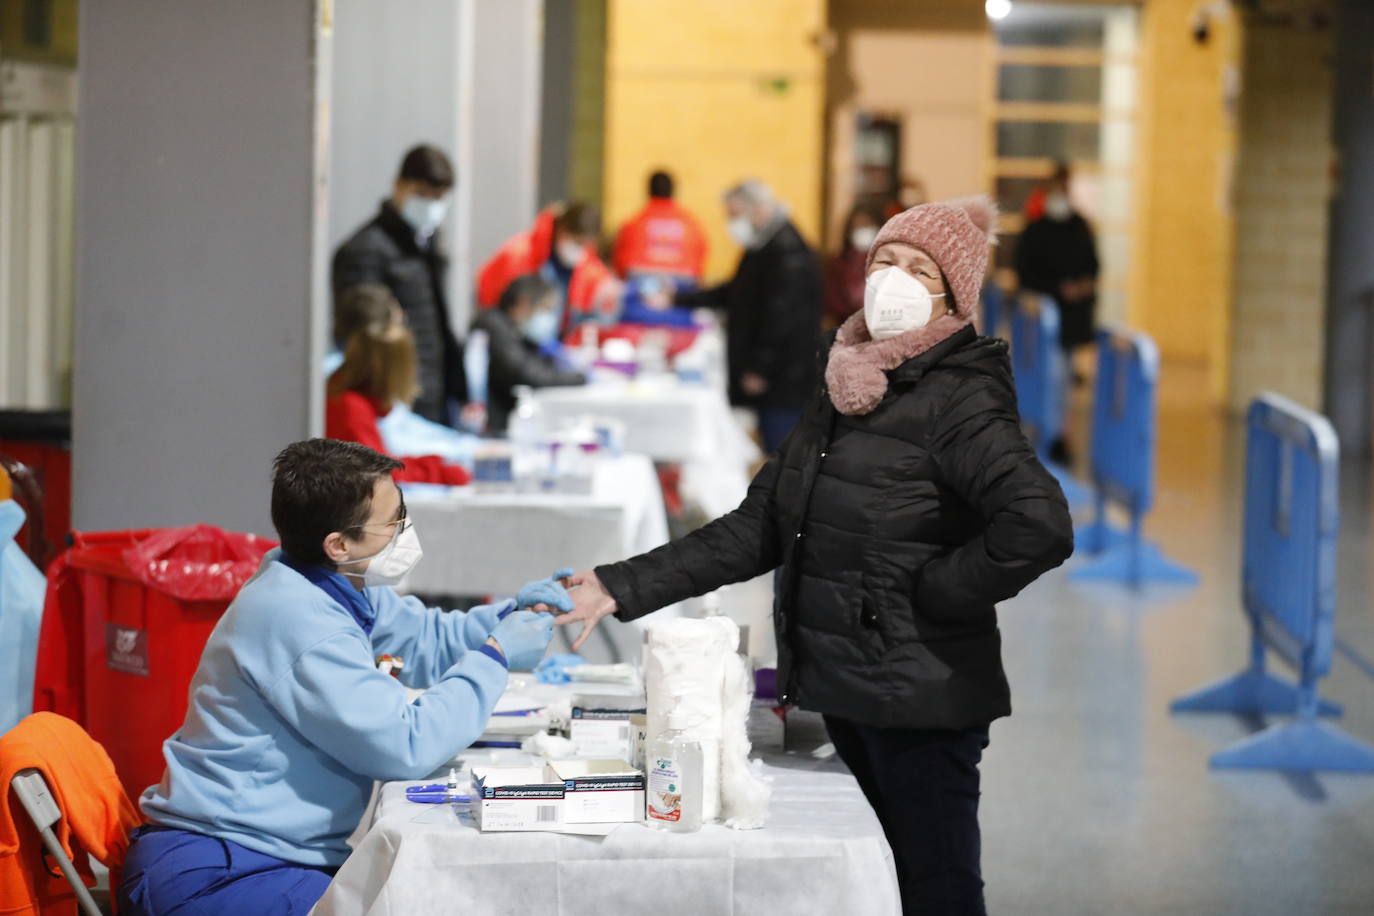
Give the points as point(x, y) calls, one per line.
point(956, 233)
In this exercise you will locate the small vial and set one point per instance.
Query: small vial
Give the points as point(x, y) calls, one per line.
point(675, 794)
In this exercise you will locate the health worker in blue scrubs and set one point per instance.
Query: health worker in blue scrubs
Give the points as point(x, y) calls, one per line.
point(289, 719)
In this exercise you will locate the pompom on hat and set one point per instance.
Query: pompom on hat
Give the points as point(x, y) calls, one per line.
point(956, 234)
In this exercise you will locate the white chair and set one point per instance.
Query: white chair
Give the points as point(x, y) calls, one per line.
point(32, 791)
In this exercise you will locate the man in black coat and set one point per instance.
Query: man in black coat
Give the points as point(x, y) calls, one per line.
point(400, 249)
point(523, 323)
point(773, 309)
point(1057, 256)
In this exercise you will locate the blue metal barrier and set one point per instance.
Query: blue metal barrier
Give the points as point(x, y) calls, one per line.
point(994, 312)
point(1123, 454)
point(1041, 372)
point(1288, 584)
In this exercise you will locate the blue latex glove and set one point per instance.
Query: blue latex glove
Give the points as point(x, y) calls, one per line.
point(546, 591)
point(524, 638)
point(554, 669)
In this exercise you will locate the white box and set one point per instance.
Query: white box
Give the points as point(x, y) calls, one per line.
point(639, 737)
point(601, 727)
point(599, 791)
point(516, 798)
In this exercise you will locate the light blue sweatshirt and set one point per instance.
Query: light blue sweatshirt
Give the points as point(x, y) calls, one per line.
point(289, 721)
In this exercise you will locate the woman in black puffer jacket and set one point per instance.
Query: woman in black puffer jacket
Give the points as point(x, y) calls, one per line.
point(904, 506)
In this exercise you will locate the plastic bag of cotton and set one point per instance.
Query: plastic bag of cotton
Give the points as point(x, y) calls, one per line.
point(691, 665)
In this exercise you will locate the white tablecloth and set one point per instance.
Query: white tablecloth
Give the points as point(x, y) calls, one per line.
point(823, 851)
point(492, 543)
point(669, 421)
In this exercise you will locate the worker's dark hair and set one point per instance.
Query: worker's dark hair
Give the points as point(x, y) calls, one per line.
point(578, 219)
point(427, 164)
point(320, 486)
point(1062, 170)
point(524, 288)
point(661, 184)
point(365, 305)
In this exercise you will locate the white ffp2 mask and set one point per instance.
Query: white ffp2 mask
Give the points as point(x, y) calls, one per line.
point(862, 237)
point(896, 302)
point(390, 564)
point(571, 254)
point(423, 214)
point(741, 230)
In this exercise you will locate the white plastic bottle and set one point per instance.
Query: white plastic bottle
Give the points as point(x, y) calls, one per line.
point(675, 799)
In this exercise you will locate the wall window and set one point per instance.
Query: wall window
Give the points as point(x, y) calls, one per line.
point(1065, 92)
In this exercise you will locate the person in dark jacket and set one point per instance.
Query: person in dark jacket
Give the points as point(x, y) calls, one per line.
point(773, 311)
point(1057, 255)
point(400, 249)
point(521, 332)
point(906, 504)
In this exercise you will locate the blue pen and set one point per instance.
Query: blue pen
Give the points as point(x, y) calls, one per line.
point(434, 794)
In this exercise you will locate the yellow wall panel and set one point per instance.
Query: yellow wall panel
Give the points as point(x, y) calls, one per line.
point(1181, 277)
point(727, 35)
point(714, 92)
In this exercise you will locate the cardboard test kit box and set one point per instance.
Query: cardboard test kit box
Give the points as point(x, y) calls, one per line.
point(562, 792)
point(601, 726)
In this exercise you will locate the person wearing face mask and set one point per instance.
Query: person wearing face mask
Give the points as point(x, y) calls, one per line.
point(561, 247)
point(772, 310)
point(660, 249)
point(844, 273)
point(401, 248)
point(522, 332)
point(289, 720)
point(1057, 255)
point(377, 373)
point(903, 508)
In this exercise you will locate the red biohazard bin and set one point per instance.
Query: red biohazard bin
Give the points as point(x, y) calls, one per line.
point(125, 619)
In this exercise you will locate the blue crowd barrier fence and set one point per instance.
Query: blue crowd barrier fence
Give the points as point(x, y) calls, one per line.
point(1123, 454)
point(1041, 371)
point(1288, 588)
point(994, 312)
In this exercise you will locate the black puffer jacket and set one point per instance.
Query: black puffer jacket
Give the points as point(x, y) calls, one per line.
point(898, 532)
point(773, 312)
point(514, 360)
point(386, 251)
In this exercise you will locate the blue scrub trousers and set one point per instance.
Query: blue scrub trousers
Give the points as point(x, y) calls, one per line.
point(170, 871)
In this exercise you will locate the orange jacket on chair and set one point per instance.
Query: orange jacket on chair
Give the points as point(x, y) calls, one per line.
point(593, 291)
point(663, 238)
point(97, 814)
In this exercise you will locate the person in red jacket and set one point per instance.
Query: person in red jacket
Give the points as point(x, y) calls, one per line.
point(663, 239)
point(561, 247)
point(378, 370)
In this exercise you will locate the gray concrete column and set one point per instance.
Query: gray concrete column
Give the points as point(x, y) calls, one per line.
point(506, 76)
point(398, 77)
point(202, 158)
point(1349, 365)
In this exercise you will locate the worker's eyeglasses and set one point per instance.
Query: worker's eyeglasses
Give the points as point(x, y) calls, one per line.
point(400, 519)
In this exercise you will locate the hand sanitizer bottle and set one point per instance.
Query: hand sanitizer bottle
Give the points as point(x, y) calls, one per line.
point(675, 794)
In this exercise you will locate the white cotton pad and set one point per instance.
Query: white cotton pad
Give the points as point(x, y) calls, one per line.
point(684, 672)
point(744, 793)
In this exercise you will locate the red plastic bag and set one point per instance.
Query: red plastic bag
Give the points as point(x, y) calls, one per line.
point(199, 563)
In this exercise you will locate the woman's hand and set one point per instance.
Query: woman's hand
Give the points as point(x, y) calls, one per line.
point(591, 602)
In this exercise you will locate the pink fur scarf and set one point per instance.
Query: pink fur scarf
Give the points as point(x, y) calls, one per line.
point(856, 374)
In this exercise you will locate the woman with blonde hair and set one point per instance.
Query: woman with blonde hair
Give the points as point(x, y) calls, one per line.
point(378, 371)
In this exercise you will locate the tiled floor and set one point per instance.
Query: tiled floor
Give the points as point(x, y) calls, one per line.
point(1097, 800)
